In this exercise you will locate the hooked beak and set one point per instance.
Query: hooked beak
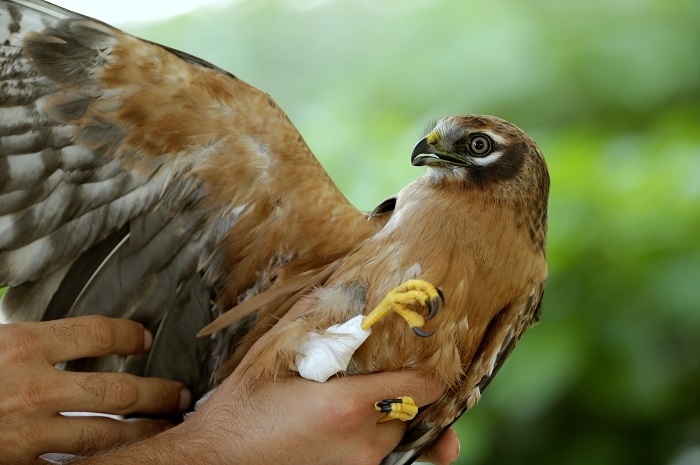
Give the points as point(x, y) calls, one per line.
point(423, 153)
point(426, 153)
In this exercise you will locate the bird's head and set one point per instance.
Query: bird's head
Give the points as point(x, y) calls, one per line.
point(494, 156)
point(481, 150)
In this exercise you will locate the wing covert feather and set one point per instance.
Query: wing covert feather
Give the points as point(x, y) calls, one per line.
point(102, 207)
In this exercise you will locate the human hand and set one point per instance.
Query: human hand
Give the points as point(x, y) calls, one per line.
point(33, 392)
point(293, 420)
point(289, 420)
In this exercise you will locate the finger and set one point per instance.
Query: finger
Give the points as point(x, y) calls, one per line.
point(91, 336)
point(84, 435)
point(445, 450)
point(119, 394)
point(388, 385)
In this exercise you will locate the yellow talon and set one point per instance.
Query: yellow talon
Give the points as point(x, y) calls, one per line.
point(414, 291)
point(403, 408)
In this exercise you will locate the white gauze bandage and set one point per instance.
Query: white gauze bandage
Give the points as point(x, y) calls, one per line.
point(324, 355)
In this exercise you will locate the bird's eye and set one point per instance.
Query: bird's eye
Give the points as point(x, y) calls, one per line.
point(479, 145)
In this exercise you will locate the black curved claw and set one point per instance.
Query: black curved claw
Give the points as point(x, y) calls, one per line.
point(433, 308)
point(385, 405)
point(435, 304)
point(421, 333)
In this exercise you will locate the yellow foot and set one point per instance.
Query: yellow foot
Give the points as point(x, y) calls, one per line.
point(403, 408)
point(414, 291)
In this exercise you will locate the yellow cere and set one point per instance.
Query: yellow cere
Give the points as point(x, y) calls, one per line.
point(433, 138)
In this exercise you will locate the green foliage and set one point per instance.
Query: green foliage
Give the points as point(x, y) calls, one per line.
point(610, 91)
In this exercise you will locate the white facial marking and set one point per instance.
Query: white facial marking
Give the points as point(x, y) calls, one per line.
point(497, 138)
point(487, 160)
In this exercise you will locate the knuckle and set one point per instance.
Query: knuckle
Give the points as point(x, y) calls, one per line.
point(25, 441)
point(102, 333)
point(18, 346)
point(31, 432)
point(123, 395)
point(32, 396)
point(342, 417)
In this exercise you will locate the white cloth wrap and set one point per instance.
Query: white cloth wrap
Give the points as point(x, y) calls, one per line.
point(325, 354)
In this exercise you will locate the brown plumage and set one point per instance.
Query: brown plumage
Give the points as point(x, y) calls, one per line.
point(141, 182)
point(474, 226)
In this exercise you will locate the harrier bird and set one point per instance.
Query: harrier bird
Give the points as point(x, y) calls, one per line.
point(138, 181)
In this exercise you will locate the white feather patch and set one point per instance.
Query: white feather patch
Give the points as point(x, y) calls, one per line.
point(487, 160)
point(497, 138)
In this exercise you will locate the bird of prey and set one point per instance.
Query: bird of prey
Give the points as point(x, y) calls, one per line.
point(141, 182)
point(474, 226)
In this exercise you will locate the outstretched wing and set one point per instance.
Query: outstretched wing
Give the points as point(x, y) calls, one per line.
point(123, 167)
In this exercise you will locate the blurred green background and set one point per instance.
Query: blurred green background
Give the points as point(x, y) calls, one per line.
point(610, 90)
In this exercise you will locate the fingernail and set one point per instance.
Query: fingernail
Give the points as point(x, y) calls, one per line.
point(459, 447)
point(147, 339)
point(185, 399)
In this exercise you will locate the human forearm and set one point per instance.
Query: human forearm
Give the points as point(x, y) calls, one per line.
point(291, 421)
point(191, 443)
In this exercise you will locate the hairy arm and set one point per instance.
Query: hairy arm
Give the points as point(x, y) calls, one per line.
point(289, 420)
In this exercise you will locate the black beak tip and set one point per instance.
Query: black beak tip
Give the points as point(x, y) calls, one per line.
point(421, 147)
